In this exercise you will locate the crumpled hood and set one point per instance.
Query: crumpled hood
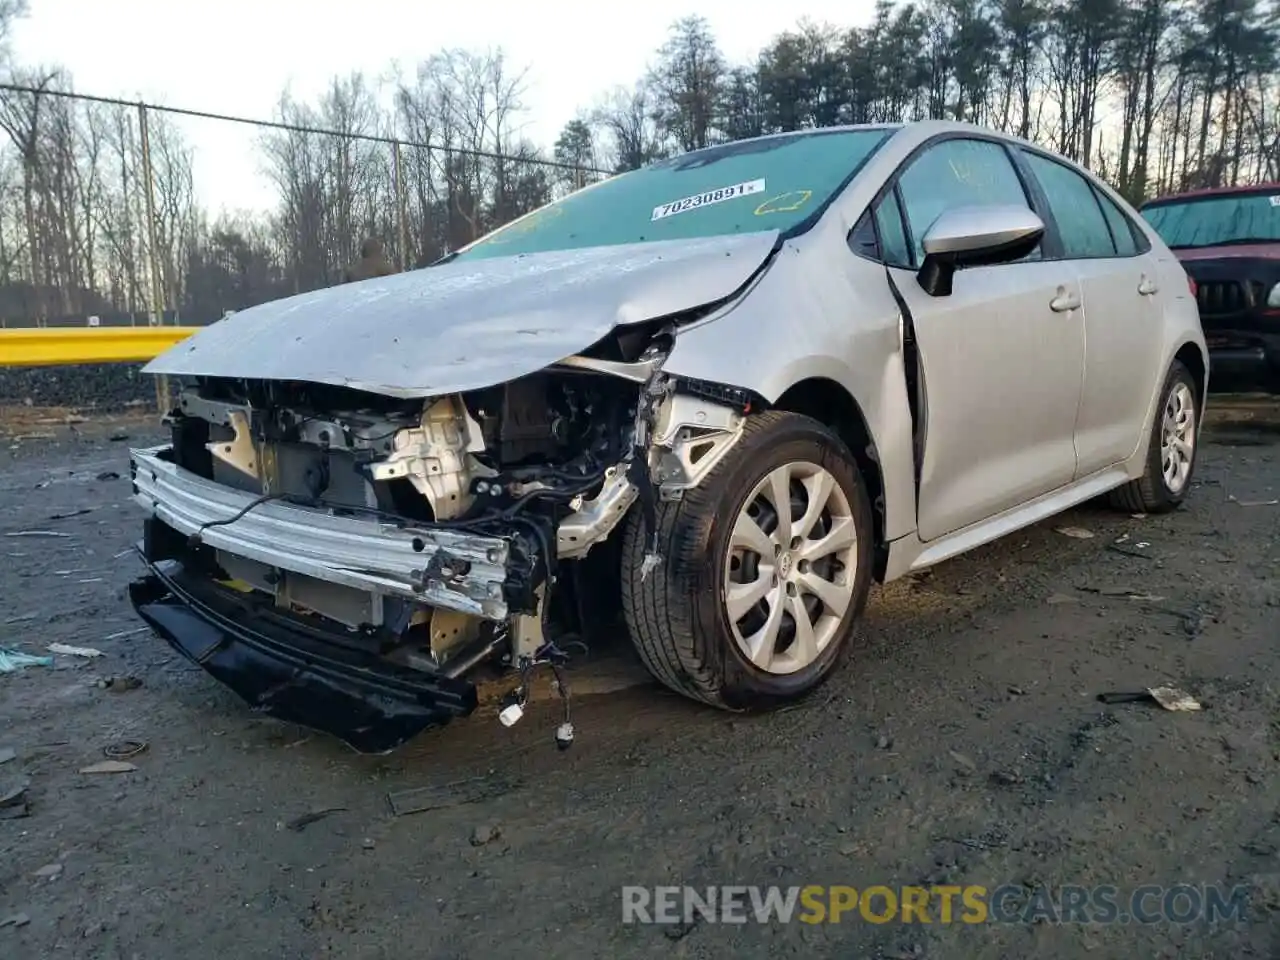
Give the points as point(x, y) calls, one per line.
point(467, 324)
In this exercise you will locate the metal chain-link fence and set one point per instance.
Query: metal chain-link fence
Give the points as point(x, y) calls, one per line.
point(120, 213)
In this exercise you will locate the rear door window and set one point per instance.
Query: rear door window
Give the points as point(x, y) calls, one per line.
point(1082, 226)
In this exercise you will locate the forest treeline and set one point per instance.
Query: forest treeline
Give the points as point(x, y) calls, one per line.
point(1154, 95)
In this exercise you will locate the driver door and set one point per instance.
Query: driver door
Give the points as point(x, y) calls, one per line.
point(1001, 357)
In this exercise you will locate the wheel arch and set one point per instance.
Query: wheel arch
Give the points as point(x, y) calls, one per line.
point(1191, 356)
point(831, 404)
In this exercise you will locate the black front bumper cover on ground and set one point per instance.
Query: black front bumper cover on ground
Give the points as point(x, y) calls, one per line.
point(295, 675)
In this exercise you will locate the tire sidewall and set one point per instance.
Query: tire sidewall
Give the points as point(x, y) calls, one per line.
point(797, 439)
point(1178, 374)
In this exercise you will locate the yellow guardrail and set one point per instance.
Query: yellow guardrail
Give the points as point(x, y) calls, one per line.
point(45, 347)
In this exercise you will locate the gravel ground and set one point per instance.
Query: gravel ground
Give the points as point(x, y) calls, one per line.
point(962, 744)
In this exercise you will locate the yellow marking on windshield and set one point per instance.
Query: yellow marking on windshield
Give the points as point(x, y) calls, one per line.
point(775, 205)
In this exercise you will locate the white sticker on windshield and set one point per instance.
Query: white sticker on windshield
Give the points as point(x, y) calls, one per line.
point(708, 198)
point(1275, 201)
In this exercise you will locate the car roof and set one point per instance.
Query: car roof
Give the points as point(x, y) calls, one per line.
point(916, 130)
point(1206, 192)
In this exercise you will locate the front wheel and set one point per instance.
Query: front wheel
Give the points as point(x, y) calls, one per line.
point(765, 567)
point(1171, 454)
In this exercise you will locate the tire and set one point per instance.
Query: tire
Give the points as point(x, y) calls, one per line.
point(677, 615)
point(1179, 409)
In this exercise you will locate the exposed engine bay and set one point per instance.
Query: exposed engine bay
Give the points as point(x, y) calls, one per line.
point(440, 536)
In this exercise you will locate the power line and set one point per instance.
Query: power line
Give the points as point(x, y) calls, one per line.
point(295, 128)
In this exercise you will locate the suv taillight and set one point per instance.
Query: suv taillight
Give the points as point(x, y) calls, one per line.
point(1191, 285)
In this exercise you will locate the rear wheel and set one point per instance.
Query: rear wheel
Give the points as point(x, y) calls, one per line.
point(764, 569)
point(1171, 456)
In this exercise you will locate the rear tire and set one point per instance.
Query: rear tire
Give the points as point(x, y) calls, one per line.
point(718, 619)
point(1171, 453)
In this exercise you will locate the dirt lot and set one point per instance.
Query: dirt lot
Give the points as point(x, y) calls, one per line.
point(963, 744)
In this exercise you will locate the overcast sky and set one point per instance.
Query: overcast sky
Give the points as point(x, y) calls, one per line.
point(236, 56)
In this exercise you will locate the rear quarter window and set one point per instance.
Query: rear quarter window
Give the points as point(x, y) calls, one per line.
point(1123, 230)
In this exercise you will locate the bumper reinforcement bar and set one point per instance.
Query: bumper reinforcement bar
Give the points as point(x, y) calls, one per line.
point(451, 569)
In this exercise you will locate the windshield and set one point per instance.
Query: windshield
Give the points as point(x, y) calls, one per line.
point(778, 183)
point(1215, 220)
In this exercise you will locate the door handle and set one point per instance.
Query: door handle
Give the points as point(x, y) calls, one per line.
point(1147, 287)
point(1064, 302)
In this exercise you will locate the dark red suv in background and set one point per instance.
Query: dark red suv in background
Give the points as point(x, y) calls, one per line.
point(1228, 240)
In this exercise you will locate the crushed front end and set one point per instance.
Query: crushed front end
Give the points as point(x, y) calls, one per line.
point(357, 563)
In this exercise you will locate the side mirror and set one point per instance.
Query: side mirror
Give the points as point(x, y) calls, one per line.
point(975, 237)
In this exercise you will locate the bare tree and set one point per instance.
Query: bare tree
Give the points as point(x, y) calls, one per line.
point(626, 116)
point(20, 115)
point(1157, 95)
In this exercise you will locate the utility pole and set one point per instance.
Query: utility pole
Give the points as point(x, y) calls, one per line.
point(153, 248)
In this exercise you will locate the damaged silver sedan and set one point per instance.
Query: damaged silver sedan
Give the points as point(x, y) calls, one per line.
point(722, 394)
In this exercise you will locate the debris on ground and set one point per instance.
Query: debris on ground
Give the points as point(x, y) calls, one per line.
point(14, 920)
point(109, 766)
point(121, 634)
point(298, 824)
point(1252, 503)
point(7, 754)
point(1076, 533)
point(1059, 598)
point(1139, 549)
point(12, 661)
point(967, 765)
point(1171, 698)
point(50, 871)
point(1128, 593)
point(679, 931)
point(107, 475)
point(72, 514)
point(119, 684)
point(69, 651)
point(421, 799)
point(1195, 620)
point(13, 798)
point(124, 749)
point(38, 533)
point(485, 834)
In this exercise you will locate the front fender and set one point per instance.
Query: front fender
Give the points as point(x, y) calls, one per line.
point(818, 312)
